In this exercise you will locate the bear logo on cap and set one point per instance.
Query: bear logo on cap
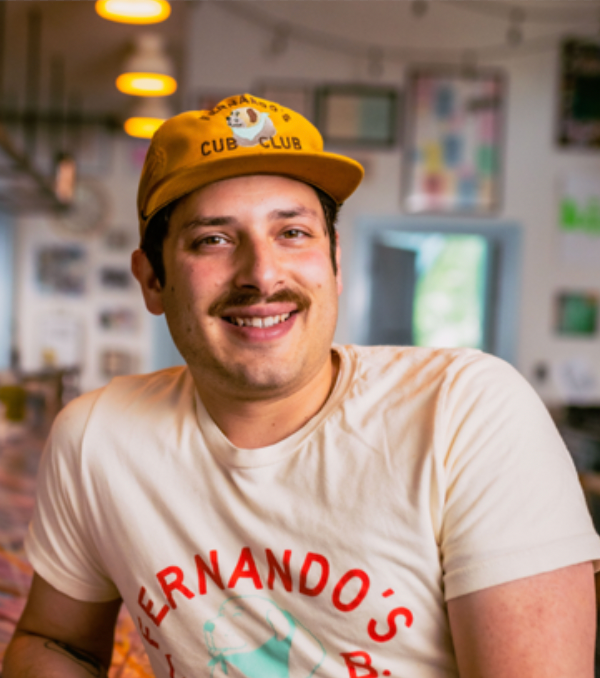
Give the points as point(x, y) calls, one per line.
point(250, 126)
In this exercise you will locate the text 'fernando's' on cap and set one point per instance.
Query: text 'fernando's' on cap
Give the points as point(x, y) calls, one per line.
point(242, 135)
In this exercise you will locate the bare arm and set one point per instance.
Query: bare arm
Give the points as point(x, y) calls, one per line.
point(540, 627)
point(59, 637)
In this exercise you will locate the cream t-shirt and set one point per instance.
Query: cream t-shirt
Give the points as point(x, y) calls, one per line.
point(427, 475)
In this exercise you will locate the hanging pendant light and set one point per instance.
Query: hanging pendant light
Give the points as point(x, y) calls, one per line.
point(147, 115)
point(134, 11)
point(149, 71)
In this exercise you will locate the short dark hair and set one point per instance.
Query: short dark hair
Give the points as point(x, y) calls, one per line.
point(158, 228)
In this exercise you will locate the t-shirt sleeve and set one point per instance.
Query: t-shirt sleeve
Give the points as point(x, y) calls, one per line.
point(58, 544)
point(513, 504)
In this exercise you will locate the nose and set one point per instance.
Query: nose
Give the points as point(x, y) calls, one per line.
point(258, 265)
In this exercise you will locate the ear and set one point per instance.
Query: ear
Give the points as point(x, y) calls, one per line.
point(338, 261)
point(150, 284)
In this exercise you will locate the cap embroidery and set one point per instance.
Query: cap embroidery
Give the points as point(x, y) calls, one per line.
point(250, 126)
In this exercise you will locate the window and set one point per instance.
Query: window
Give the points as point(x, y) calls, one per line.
point(435, 283)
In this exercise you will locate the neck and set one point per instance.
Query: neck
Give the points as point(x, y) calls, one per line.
point(251, 424)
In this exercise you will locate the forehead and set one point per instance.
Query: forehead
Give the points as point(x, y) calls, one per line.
point(255, 192)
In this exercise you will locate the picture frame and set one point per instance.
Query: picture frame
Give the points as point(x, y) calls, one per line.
point(115, 277)
point(61, 269)
point(576, 313)
point(364, 116)
point(454, 140)
point(118, 319)
point(578, 119)
point(115, 362)
point(119, 239)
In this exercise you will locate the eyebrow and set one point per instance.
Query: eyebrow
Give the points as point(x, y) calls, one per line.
point(291, 213)
point(210, 221)
point(274, 215)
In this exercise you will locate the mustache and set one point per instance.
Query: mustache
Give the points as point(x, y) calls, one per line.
point(237, 298)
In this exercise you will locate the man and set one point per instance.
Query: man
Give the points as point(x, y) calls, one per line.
point(282, 507)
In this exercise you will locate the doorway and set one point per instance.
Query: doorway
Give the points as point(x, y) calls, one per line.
point(438, 283)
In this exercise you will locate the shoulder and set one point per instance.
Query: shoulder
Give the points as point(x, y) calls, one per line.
point(117, 402)
point(415, 367)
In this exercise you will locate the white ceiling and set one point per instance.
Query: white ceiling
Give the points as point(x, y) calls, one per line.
point(93, 48)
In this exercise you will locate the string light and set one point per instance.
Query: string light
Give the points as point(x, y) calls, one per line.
point(514, 33)
point(495, 10)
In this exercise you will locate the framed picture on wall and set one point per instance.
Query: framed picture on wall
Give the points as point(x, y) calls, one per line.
point(453, 142)
point(358, 115)
point(576, 314)
point(61, 269)
point(118, 319)
point(579, 94)
point(115, 362)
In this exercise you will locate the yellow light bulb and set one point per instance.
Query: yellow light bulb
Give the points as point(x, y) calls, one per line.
point(134, 11)
point(146, 84)
point(143, 128)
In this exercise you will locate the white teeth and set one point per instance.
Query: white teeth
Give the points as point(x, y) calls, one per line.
point(269, 321)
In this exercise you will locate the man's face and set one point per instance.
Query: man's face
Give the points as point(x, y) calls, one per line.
point(250, 294)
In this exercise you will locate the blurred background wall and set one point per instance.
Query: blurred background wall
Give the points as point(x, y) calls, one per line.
point(67, 297)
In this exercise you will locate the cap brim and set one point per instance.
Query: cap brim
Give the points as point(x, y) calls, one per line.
point(336, 175)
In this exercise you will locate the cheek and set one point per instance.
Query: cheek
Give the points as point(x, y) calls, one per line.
point(195, 282)
point(315, 268)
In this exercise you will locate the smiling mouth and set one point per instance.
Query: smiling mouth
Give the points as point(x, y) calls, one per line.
point(256, 321)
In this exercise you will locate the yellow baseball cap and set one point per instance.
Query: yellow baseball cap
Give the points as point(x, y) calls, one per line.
point(241, 135)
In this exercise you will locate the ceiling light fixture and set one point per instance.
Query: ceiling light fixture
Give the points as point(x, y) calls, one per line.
point(147, 115)
point(149, 70)
point(134, 11)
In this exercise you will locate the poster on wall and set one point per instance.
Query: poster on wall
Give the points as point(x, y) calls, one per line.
point(116, 362)
point(61, 269)
point(579, 218)
point(576, 314)
point(118, 319)
point(579, 94)
point(60, 340)
point(452, 162)
point(357, 115)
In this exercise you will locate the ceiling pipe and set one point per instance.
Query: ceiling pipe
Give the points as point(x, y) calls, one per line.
point(2, 55)
point(32, 83)
point(23, 163)
point(57, 106)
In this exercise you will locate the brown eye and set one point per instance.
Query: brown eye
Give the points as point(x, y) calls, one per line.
point(209, 240)
point(293, 233)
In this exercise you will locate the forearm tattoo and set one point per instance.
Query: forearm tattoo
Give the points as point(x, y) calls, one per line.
point(87, 661)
